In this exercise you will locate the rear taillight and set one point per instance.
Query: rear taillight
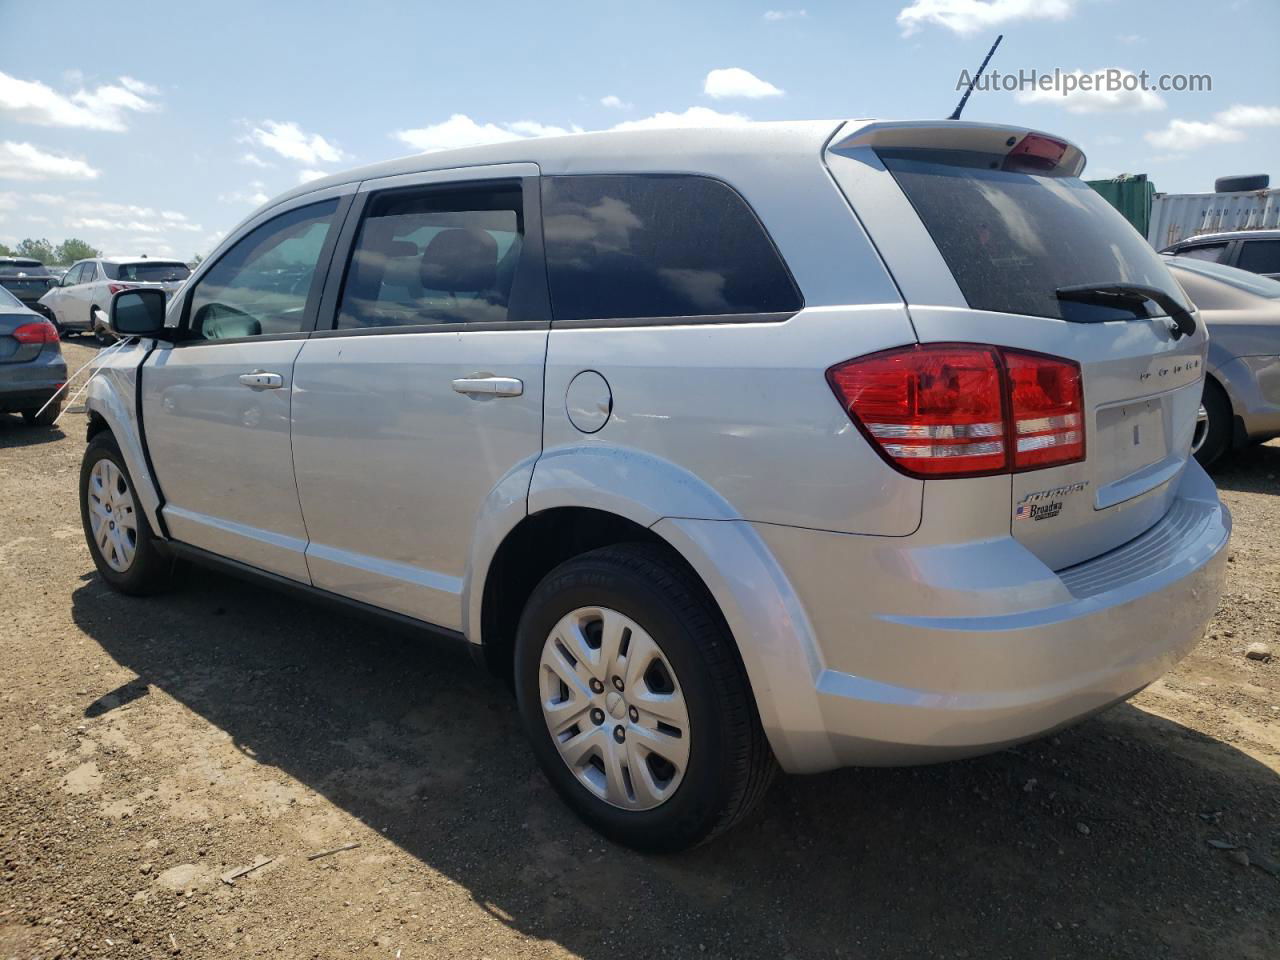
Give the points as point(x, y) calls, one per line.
point(961, 410)
point(42, 331)
point(114, 288)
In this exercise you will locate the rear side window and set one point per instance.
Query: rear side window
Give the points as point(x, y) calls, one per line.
point(1209, 252)
point(435, 255)
point(1260, 256)
point(152, 271)
point(633, 246)
point(1013, 238)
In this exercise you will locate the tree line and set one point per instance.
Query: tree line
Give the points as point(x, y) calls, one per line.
point(68, 251)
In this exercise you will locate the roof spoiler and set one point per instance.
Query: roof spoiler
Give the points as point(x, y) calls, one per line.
point(961, 135)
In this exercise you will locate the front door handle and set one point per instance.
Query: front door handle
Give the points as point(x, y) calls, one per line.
point(262, 380)
point(489, 386)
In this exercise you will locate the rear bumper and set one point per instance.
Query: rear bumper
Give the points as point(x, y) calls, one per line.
point(26, 386)
point(935, 652)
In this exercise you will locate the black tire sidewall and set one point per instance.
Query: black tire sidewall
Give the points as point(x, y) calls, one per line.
point(693, 810)
point(1218, 439)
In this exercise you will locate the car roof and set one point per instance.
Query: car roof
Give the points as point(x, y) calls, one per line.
point(1229, 235)
point(20, 262)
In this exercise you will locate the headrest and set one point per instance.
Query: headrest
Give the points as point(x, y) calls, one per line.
point(460, 259)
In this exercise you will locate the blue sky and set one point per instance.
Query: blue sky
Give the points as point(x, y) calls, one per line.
point(157, 127)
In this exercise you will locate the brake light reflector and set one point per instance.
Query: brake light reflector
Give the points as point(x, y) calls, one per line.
point(114, 288)
point(1047, 409)
point(964, 410)
point(42, 331)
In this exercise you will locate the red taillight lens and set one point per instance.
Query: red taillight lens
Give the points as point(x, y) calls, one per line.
point(114, 288)
point(964, 410)
point(42, 331)
point(1047, 403)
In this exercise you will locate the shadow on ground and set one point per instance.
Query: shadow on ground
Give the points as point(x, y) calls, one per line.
point(16, 432)
point(1253, 469)
point(1087, 844)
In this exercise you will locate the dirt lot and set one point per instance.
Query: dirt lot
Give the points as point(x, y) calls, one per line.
point(149, 746)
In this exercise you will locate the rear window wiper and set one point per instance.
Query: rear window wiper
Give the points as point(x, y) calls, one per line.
point(1129, 295)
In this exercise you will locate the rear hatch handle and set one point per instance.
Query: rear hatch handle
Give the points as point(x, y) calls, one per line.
point(1130, 295)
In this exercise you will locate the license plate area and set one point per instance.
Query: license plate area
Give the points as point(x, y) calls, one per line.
point(1130, 450)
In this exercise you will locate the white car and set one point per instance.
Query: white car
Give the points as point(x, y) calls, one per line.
point(819, 443)
point(79, 301)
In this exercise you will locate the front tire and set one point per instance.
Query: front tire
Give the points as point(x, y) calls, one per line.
point(1214, 426)
point(120, 540)
point(635, 701)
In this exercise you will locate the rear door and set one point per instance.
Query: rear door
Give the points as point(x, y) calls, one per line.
point(423, 398)
point(216, 403)
point(987, 226)
point(1260, 256)
point(59, 299)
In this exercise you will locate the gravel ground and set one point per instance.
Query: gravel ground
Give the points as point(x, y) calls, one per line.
point(149, 746)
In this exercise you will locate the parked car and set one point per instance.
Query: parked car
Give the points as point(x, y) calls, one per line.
point(79, 301)
point(28, 280)
point(1241, 403)
point(1257, 251)
point(644, 419)
point(31, 365)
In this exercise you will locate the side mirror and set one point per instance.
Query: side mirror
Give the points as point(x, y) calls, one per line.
point(137, 313)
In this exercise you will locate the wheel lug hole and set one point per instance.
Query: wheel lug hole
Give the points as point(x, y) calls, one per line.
point(597, 686)
point(617, 684)
point(619, 734)
point(634, 714)
point(597, 716)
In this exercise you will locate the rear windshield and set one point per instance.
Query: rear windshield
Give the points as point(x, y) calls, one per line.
point(1013, 238)
point(153, 271)
point(12, 269)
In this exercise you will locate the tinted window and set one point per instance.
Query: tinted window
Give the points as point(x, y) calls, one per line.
point(31, 268)
point(149, 271)
point(1012, 238)
point(658, 246)
point(90, 273)
point(74, 274)
point(1210, 252)
point(262, 284)
point(1260, 256)
point(434, 256)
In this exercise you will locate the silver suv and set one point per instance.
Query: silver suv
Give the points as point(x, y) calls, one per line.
point(811, 443)
point(79, 301)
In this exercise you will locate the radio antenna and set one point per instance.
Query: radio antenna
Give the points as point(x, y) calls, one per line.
point(955, 114)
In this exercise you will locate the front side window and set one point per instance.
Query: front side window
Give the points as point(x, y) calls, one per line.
point(641, 246)
point(435, 255)
point(261, 286)
point(1260, 256)
point(74, 275)
point(1209, 252)
point(1012, 238)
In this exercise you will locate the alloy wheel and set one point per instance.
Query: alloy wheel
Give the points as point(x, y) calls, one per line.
point(1201, 431)
point(614, 708)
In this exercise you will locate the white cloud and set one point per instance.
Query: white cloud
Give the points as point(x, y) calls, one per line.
point(1184, 135)
point(102, 108)
point(253, 196)
point(1099, 99)
point(614, 103)
point(253, 160)
point(461, 131)
point(293, 143)
point(971, 16)
point(693, 117)
point(736, 82)
point(306, 176)
point(109, 215)
point(774, 16)
point(23, 161)
point(1239, 115)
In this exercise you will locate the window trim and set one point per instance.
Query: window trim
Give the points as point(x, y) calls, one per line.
point(531, 272)
point(692, 319)
point(344, 195)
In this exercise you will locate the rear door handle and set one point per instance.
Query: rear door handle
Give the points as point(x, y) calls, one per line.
point(262, 380)
point(489, 386)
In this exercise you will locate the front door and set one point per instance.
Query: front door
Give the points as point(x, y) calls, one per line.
point(216, 403)
point(426, 393)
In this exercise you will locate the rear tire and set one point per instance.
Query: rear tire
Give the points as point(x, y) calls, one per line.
point(37, 418)
point(1217, 426)
point(129, 560)
point(724, 766)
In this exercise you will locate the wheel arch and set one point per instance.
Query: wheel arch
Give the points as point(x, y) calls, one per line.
point(110, 402)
